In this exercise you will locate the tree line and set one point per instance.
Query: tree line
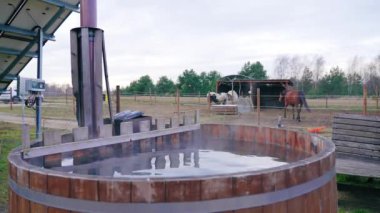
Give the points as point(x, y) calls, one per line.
point(189, 81)
point(307, 73)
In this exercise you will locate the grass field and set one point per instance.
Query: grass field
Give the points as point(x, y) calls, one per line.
point(10, 135)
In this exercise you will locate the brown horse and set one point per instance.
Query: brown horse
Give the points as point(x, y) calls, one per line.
point(294, 98)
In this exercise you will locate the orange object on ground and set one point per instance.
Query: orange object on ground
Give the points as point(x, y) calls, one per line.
point(316, 129)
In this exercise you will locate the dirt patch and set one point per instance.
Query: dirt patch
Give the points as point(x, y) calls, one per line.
point(268, 117)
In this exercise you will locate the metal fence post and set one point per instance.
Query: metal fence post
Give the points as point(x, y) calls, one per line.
point(74, 105)
point(117, 99)
point(258, 106)
point(208, 103)
point(11, 99)
point(364, 99)
point(66, 96)
point(150, 95)
point(377, 97)
point(178, 101)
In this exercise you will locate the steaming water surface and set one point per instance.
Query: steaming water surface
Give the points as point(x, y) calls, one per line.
point(186, 162)
point(209, 162)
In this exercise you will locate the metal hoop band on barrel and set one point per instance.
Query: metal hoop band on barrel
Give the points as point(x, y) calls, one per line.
point(196, 206)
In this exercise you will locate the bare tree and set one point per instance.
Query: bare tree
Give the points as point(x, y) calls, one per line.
point(319, 63)
point(281, 66)
point(354, 67)
point(373, 76)
point(56, 89)
point(306, 79)
point(296, 67)
point(377, 63)
point(377, 59)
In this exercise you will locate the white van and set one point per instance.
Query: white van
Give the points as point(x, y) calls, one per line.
point(6, 97)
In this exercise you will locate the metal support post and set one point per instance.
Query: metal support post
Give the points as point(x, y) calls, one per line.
point(88, 13)
point(86, 68)
point(106, 79)
point(87, 49)
point(39, 76)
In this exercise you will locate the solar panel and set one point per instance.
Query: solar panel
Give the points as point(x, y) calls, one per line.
point(19, 21)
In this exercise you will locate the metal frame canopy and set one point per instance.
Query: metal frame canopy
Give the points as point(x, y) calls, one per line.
point(228, 82)
point(20, 24)
point(246, 86)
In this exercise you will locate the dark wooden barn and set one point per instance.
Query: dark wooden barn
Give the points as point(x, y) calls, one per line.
point(269, 89)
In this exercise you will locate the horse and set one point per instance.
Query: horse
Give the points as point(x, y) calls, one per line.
point(232, 97)
point(217, 98)
point(294, 98)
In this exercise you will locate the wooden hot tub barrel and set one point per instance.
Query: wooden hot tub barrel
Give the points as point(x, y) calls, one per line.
point(306, 185)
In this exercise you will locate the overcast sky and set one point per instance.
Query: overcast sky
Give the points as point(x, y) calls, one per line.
point(165, 37)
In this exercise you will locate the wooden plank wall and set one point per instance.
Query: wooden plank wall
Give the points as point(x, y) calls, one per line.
point(55, 144)
point(357, 135)
point(225, 109)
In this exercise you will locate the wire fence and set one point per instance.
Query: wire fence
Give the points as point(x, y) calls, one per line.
point(63, 105)
point(315, 102)
point(58, 109)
